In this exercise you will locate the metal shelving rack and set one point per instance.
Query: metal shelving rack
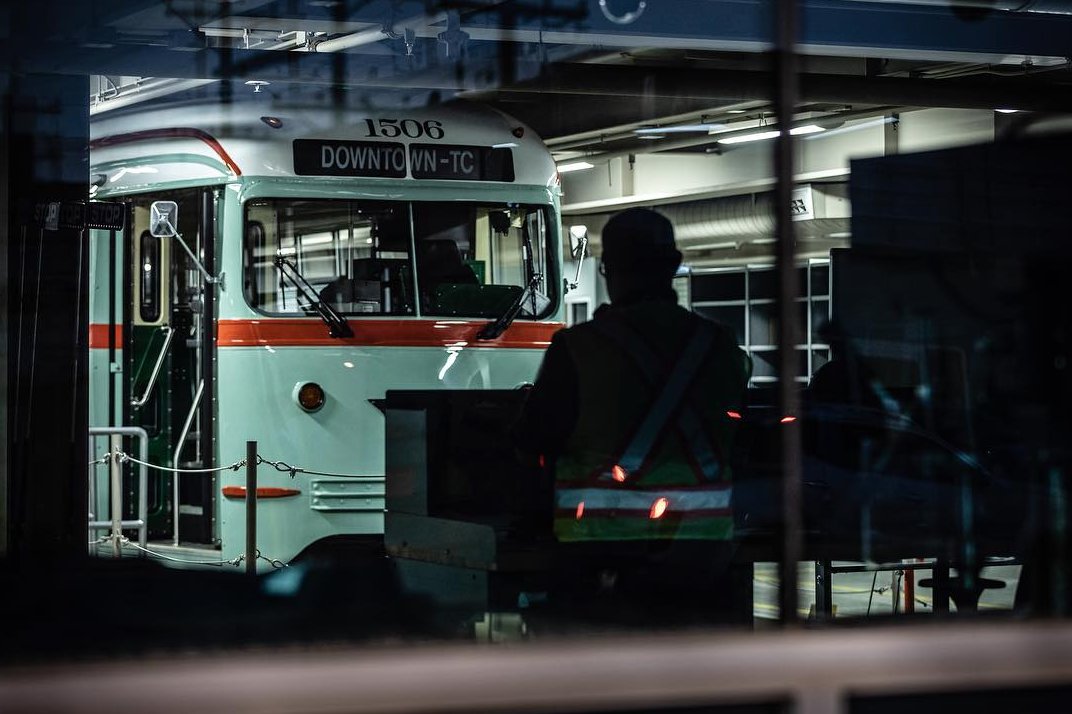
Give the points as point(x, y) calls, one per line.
point(743, 298)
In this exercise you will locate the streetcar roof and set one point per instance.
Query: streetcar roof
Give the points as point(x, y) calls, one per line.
point(214, 143)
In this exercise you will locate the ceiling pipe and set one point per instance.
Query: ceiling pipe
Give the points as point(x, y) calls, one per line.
point(1048, 7)
point(152, 89)
point(628, 131)
point(653, 147)
point(738, 85)
point(356, 39)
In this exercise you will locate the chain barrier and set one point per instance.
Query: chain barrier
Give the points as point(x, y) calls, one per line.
point(122, 456)
point(164, 556)
point(281, 466)
point(237, 561)
point(284, 467)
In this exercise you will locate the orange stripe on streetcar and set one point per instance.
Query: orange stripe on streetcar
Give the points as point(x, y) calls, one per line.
point(178, 132)
point(262, 492)
point(381, 333)
point(99, 333)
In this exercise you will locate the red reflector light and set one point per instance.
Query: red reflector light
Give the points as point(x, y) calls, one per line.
point(262, 492)
point(543, 461)
point(788, 419)
point(658, 508)
point(733, 415)
point(311, 396)
point(580, 510)
point(618, 473)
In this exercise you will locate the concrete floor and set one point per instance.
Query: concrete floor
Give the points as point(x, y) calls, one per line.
point(861, 594)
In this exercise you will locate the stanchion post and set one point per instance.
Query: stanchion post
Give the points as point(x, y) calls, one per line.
point(116, 487)
point(251, 507)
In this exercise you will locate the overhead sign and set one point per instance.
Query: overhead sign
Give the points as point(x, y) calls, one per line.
point(802, 205)
point(76, 215)
point(461, 163)
point(324, 157)
point(106, 215)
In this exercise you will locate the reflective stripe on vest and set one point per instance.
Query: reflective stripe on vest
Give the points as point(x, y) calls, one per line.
point(670, 398)
point(702, 499)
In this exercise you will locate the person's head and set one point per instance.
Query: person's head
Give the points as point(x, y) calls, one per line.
point(639, 255)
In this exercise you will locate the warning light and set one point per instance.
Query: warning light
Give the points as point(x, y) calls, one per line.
point(788, 419)
point(618, 473)
point(658, 508)
point(733, 415)
point(580, 510)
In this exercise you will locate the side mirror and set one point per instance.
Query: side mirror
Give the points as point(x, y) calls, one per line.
point(163, 219)
point(578, 236)
point(163, 223)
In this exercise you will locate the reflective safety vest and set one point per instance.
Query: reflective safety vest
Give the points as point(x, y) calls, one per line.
point(660, 392)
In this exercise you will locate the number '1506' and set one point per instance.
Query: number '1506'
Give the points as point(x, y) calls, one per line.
point(411, 128)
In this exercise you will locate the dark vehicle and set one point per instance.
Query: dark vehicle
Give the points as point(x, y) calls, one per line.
point(876, 486)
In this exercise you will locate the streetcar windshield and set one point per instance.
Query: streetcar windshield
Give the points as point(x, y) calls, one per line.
point(445, 259)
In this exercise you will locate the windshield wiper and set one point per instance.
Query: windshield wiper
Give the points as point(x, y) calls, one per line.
point(498, 326)
point(337, 324)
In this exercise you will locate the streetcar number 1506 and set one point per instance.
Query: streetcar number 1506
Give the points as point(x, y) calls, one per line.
point(391, 128)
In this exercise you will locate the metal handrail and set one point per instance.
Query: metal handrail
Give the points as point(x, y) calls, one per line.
point(175, 461)
point(142, 521)
point(169, 333)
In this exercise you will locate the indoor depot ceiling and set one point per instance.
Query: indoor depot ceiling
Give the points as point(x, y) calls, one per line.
point(568, 68)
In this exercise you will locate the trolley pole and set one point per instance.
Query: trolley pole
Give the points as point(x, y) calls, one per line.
point(251, 508)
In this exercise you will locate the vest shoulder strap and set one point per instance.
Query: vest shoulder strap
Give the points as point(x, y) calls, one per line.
point(675, 378)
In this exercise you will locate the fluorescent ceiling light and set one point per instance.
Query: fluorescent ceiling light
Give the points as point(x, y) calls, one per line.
point(761, 135)
point(745, 138)
point(806, 129)
point(678, 129)
point(713, 246)
point(870, 123)
point(574, 166)
point(736, 111)
point(1006, 111)
point(506, 145)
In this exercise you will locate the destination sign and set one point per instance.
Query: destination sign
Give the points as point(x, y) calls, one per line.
point(460, 163)
point(327, 157)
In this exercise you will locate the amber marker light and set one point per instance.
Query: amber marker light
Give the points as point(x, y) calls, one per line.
point(311, 396)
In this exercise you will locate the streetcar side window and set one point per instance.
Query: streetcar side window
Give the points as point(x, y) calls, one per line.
point(149, 269)
point(475, 260)
point(353, 255)
point(472, 260)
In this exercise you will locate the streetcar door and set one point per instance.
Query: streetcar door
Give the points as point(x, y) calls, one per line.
point(169, 355)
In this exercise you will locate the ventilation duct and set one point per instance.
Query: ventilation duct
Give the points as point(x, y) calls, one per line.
point(821, 212)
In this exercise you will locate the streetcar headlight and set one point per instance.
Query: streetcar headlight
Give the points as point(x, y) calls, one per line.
point(310, 396)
